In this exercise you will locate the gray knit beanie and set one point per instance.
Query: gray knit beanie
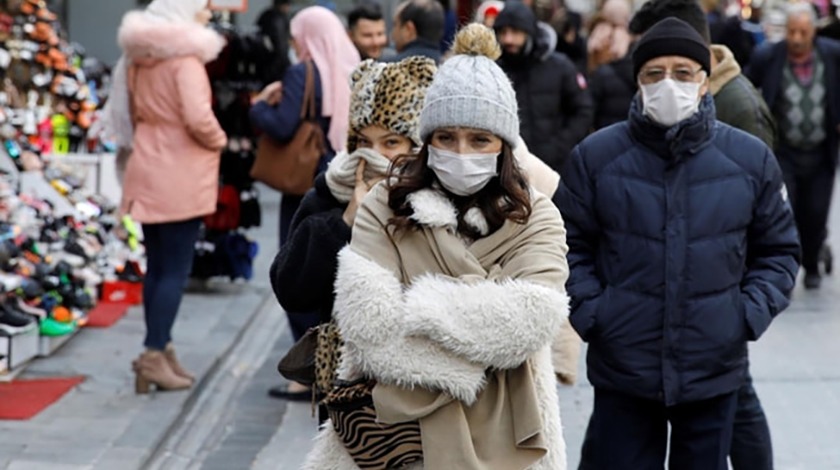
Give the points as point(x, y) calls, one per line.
point(470, 90)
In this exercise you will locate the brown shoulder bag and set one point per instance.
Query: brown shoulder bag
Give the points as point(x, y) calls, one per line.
point(290, 167)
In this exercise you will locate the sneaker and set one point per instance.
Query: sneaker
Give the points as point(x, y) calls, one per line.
point(15, 323)
point(50, 327)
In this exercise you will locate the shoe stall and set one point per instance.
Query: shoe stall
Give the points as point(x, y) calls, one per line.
point(63, 248)
point(68, 260)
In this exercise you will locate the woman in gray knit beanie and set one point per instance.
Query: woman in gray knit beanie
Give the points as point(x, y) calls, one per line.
point(449, 295)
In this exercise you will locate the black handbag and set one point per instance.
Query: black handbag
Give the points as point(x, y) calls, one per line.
point(299, 362)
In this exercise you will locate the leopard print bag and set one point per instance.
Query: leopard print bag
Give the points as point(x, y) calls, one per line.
point(327, 357)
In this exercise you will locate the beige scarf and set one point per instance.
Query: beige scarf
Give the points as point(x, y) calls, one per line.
point(503, 429)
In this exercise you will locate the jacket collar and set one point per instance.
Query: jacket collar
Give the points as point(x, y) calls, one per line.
point(725, 71)
point(432, 208)
point(685, 138)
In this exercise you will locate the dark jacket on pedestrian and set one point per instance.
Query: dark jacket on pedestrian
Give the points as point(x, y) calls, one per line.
point(274, 25)
point(682, 247)
point(281, 121)
point(418, 47)
point(555, 107)
point(613, 87)
point(303, 273)
point(737, 101)
point(766, 70)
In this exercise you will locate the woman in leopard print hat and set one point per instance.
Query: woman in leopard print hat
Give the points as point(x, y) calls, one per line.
point(384, 115)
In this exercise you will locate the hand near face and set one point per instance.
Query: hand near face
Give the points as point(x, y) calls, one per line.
point(361, 189)
point(271, 94)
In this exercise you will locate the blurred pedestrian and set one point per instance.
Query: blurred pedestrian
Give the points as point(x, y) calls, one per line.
point(609, 39)
point(366, 27)
point(172, 177)
point(798, 78)
point(318, 37)
point(488, 11)
point(417, 30)
point(274, 25)
point(554, 105)
point(682, 248)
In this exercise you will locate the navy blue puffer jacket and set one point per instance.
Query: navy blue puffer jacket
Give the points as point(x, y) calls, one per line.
point(682, 247)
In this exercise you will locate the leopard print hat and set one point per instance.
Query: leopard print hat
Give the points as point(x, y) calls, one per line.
point(390, 96)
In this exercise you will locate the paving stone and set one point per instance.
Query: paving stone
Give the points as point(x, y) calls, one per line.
point(121, 457)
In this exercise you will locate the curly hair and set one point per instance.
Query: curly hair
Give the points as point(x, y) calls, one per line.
point(506, 197)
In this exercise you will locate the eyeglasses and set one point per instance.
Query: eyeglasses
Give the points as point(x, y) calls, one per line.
point(655, 75)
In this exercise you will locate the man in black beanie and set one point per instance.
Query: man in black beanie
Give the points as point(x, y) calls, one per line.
point(555, 108)
point(682, 248)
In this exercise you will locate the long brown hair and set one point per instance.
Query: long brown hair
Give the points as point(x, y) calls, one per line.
point(506, 197)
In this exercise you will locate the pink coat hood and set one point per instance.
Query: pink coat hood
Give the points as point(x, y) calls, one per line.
point(143, 38)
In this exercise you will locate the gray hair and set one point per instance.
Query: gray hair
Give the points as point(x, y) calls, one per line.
point(801, 8)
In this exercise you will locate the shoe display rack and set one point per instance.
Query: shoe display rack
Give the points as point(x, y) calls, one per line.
point(62, 244)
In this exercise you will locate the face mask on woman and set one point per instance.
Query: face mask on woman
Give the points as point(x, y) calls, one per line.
point(669, 101)
point(463, 174)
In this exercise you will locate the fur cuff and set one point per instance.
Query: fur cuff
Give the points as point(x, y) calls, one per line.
point(497, 324)
point(371, 314)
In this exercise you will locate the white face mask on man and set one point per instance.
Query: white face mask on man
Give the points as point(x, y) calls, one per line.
point(461, 173)
point(670, 101)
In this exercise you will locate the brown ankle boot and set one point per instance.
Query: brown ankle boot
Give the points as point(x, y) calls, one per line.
point(153, 368)
point(169, 352)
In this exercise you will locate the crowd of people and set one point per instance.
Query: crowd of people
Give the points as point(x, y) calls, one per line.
point(485, 201)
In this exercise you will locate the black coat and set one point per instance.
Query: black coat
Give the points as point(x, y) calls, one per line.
point(682, 247)
point(303, 273)
point(613, 87)
point(766, 70)
point(274, 25)
point(555, 107)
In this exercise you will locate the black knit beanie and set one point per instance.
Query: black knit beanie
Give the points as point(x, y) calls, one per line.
point(672, 37)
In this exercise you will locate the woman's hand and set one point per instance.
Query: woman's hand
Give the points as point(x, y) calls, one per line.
point(271, 94)
point(361, 189)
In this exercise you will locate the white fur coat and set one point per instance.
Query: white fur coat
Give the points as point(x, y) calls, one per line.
point(406, 336)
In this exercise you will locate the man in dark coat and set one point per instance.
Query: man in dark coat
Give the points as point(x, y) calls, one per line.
point(555, 108)
point(418, 29)
point(798, 78)
point(682, 247)
point(740, 105)
point(273, 23)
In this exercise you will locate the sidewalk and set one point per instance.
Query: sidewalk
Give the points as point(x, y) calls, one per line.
point(102, 424)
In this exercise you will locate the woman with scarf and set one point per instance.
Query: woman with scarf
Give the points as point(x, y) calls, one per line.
point(161, 107)
point(452, 288)
point(304, 271)
point(318, 37)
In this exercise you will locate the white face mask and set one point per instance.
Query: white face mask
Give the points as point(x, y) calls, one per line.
point(463, 174)
point(669, 101)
